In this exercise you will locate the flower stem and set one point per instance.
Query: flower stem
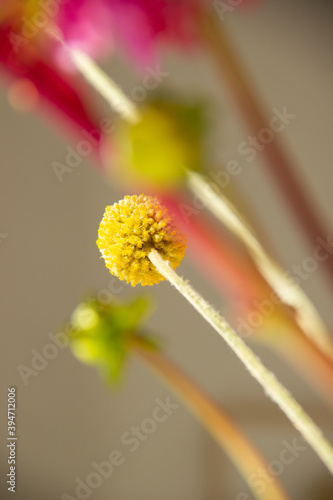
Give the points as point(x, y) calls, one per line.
point(288, 291)
point(309, 430)
point(284, 286)
point(249, 107)
point(230, 272)
point(111, 92)
point(242, 453)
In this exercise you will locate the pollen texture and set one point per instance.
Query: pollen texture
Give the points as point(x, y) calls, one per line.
point(129, 230)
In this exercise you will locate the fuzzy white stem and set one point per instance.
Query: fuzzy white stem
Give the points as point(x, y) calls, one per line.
point(105, 86)
point(273, 388)
point(285, 287)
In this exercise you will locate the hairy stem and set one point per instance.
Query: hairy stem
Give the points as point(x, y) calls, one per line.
point(288, 291)
point(309, 430)
point(111, 92)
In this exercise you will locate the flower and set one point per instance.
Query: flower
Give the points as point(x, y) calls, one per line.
point(30, 60)
point(67, 101)
point(98, 26)
point(129, 231)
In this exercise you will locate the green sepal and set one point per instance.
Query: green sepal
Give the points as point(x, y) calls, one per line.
point(102, 335)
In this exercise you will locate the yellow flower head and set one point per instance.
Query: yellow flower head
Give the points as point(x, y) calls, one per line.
point(128, 232)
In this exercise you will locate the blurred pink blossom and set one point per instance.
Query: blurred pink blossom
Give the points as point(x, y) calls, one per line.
point(98, 26)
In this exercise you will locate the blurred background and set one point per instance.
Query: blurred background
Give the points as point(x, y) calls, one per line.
point(67, 417)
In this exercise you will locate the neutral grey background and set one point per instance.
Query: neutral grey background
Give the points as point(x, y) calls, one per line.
point(67, 418)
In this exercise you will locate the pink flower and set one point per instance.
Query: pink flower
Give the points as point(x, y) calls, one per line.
point(98, 26)
point(23, 59)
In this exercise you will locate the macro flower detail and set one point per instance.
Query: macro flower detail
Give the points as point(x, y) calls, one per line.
point(128, 232)
point(97, 27)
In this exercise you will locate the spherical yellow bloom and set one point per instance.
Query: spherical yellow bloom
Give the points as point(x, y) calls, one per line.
point(128, 232)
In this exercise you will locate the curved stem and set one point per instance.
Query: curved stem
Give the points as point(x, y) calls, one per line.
point(310, 431)
point(249, 107)
point(242, 453)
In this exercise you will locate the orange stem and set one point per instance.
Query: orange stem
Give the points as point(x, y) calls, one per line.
point(243, 454)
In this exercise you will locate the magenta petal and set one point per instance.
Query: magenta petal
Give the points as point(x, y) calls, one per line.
point(60, 90)
point(97, 26)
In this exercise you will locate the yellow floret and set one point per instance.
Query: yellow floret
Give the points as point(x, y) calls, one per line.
point(127, 233)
